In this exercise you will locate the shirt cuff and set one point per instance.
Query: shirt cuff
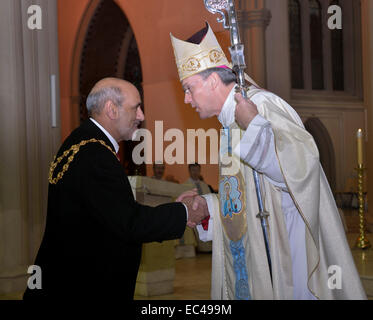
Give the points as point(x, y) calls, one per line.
point(186, 210)
point(207, 235)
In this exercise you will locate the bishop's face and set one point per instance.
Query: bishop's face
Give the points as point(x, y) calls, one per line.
point(199, 94)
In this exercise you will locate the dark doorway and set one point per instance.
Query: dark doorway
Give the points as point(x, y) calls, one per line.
point(325, 145)
point(110, 50)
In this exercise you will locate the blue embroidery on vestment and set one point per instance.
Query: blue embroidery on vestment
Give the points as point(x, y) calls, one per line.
point(242, 291)
point(228, 140)
point(230, 196)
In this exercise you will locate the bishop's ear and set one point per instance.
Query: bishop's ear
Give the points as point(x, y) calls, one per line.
point(214, 80)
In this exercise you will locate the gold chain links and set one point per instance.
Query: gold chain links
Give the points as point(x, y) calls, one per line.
point(74, 149)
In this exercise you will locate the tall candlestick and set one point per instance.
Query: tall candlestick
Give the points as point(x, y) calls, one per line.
point(359, 136)
point(362, 242)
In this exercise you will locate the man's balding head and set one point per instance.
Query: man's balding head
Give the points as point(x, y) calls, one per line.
point(112, 89)
point(115, 104)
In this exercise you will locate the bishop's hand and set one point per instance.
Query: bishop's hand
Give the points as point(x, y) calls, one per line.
point(246, 111)
point(197, 208)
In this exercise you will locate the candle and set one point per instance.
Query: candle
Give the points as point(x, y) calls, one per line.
point(359, 136)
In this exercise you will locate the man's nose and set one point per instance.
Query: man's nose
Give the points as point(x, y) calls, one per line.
point(140, 115)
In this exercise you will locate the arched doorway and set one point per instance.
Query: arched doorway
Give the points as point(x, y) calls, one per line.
point(326, 150)
point(110, 50)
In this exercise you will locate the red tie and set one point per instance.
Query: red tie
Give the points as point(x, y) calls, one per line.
point(118, 156)
point(205, 223)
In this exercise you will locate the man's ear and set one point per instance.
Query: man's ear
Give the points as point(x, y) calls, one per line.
point(214, 80)
point(111, 110)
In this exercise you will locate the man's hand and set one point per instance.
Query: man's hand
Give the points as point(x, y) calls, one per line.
point(246, 111)
point(197, 210)
point(187, 194)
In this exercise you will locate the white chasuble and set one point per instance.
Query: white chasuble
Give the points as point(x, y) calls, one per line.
point(239, 267)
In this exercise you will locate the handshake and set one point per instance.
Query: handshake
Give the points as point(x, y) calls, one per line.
point(197, 207)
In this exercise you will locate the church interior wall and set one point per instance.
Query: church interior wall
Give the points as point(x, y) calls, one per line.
point(163, 95)
point(70, 21)
point(30, 134)
point(367, 56)
point(342, 115)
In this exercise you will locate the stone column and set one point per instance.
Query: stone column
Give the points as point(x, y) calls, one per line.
point(254, 19)
point(367, 42)
point(277, 50)
point(29, 132)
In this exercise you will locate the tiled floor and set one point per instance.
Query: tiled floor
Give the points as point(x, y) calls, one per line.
point(363, 258)
point(192, 280)
point(11, 296)
point(193, 275)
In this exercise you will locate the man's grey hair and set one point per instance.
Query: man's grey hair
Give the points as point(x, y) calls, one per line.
point(226, 76)
point(96, 100)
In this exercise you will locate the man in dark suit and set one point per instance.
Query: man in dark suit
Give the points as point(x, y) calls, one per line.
point(95, 228)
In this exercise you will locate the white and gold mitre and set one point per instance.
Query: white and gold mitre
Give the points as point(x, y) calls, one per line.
point(192, 58)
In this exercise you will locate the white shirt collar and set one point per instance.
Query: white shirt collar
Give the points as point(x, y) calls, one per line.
point(112, 140)
point(226, 116)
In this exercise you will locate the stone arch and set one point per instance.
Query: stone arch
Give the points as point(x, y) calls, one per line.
point(77, 53)
point(105, 47)
point(326, 150)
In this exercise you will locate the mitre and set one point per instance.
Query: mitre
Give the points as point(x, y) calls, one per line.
point(200, 52)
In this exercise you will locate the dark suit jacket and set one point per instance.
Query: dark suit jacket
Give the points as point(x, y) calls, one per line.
point(95, 228)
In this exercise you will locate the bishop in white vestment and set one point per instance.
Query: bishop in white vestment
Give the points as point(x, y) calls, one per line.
point(309, 253)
